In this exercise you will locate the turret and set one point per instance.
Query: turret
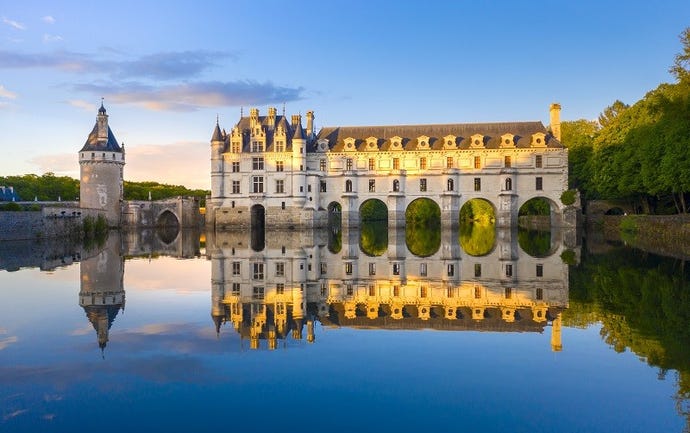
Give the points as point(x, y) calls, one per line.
point(101, 162)
point(555, 114)
point(299, 153)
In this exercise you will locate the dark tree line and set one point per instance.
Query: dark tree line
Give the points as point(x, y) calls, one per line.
point(639, 153)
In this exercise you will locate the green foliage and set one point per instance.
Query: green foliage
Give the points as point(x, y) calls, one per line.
point(568, 197)
point(535, 206)
point(477, 210)
point(629, 224)
point(477, 239)
point(373, 210)
point(11, 207)
point(534, 242)
point(681, 64)
point(423, 211)
point(568, 257)
point(47, 187)
point(611, 112)
point(140, 191)
point(423, 240)
point(373, 238)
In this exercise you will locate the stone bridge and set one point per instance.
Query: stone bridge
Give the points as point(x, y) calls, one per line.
point(173, 212)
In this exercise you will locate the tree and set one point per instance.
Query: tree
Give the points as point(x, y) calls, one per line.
point(612, 112)
point(681, 64)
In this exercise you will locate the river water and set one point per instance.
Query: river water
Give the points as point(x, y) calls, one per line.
point(354, 330)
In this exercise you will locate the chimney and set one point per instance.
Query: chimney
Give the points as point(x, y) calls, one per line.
point(555, 113)
point(253, 117)
point(271, 117)
point(296, 121)
point(310, 123)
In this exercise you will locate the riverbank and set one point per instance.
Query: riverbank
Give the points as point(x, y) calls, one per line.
point(666, 235)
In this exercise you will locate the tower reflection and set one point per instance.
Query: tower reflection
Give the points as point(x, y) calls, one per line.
point(298, 279)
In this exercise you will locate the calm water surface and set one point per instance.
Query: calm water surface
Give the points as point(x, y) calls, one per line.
point(324, 331)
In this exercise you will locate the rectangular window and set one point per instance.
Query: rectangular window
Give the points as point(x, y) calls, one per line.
point(257, 163)
point(348, 268)
point(280, 288)
point(235, 186)
point(422, 185)
point(538, 161)
point(507, 161)
point(477, 162)
point(282, 205)
point(451, 269)
point(372, 164)
point(477, 292)
point(396, 290)
point(258, 271)
point(508, 293)
point(258, 292)
point(280, 146)
point(477, 269)
point(322, 186)
point(449, 162)
point(539, 185)
point(540, 270)
point(324, 289)
point(348, 289)
point(422, 269)
point(372, 268)
point(280, 186)
point(257, 184)
point(372, 185)
point(422, 163)
point(372, 290)
point(236, 266)
point(348, 164)
point(280, 166)
point(509, 270)
point(396, 163)
point(280, 269)
point(540, 294)
point(324, 267)
point(396, 268)
point(322, 165)
point(235, 166)
point(308, 188)
point(236, 289)
point(450, 292)
point(423, 292)
point(235, 148)
point(257, 146)
point(477, 184)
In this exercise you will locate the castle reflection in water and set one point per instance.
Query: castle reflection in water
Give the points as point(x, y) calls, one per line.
point(272, 288)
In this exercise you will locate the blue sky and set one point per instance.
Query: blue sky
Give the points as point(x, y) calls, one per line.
point(167, 69)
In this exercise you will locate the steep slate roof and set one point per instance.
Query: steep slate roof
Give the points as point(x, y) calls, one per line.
point(92, 143)
point(492, 133)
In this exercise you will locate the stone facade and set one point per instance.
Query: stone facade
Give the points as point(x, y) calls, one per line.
point(295, 176)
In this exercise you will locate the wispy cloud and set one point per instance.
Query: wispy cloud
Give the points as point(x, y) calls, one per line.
point(17, 25)
point(193, 96)
point(84, 105)
point(6, 342)
point(14, 414)
point(159, 66)
point(4, 93)
point(48, 19)
point(48, 38)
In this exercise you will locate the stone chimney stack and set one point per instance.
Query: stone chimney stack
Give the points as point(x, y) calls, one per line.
point(310, 123)
point(296, 120)
point(271, 117)
point(555, 113)
point(253, 117)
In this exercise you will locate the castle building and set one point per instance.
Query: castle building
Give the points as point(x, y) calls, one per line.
point(270, 171)
point(101, 163)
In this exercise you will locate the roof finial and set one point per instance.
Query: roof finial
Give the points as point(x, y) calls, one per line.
point(217, 118)
point(241, 112)
point(102, 109)
point(283, 109)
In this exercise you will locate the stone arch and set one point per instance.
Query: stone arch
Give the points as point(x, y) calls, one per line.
point(258, 217)
point(477, 235)
point(335, 211)
point(555, 212)
point(423, 227)
point(373, 223)
point(167, 218)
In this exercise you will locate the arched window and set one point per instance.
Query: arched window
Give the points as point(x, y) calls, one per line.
point(396, 185)
point(348, 186)
point(509, 184)
point(451, 185)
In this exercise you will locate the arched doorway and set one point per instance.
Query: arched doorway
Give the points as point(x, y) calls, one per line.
point(258, 224)
point(477, 227)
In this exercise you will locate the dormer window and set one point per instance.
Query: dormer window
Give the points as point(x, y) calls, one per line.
point(449, 142)
point(538, 140)
point(423, 142)
point(372, 143)
point(350, 144)
point(322, 145)
point(396, 143)
point(477, 140)
point(235, 147)
point(507, 140)
point(280, 146)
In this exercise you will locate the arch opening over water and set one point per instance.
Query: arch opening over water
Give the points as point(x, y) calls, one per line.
point(373, 222)
point(423, 227)
point(478, 227)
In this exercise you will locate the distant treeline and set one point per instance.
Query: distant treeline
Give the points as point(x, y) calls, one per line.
point(638, 153)
point(49, 187)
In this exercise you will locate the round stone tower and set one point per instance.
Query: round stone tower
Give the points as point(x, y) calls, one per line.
point(101, 163)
